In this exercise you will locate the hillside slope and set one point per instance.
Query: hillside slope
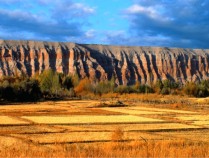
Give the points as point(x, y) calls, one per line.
point(101, 62)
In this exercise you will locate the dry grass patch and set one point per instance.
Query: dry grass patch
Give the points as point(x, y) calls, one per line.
point(132, 112)
point(8, 142)
point(202, 120)
point(87, 137)
point(53, 110)
point(6, 120)
point(163, 110)
point(194, 118)
point(24, 129)
point(80, 103)
point(72, 137)
point(127, 127)
point(169, 149)
point(195, 135)
point(89, 119)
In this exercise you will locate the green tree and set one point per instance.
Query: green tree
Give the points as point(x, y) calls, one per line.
point(50, 82)
point(56, 85)
point(46, 80)
point(112, 83)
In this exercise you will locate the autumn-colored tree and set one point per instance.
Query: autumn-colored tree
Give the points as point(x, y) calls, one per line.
point(83, 86)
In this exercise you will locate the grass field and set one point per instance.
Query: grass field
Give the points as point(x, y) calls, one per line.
point(84, 129)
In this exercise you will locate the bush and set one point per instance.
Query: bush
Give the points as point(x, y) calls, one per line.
point(84, 86)
point(7, 93)
point(165, 91)
point(166, 86)
point(145, 89)
point(124, 89)
point(25, 90)
point(103, 87)
point(28, 90)
point(196, 89)
point(67, 82)
point(170, 84)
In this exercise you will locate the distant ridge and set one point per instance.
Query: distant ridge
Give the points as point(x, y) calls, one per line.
point(100, 62)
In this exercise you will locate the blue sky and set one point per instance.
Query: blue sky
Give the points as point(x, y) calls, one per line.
point(171, 23)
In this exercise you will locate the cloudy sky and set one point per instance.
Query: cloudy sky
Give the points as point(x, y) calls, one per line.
point(173, 23)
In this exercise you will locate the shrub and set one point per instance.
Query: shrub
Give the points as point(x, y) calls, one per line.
point(84, 86)
point(145, 89)
point(103, 87)
point(8, 93)
point(190, 89)
point(124, 89)
point(67, 82)
point(170, 84)
point(165, 91)
point(196, 89)
point(25, 90)
point(158, 85)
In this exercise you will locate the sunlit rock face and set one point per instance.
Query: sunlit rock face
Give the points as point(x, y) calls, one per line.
point(101, 62)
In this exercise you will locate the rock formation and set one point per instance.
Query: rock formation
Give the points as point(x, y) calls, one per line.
point(101, 62)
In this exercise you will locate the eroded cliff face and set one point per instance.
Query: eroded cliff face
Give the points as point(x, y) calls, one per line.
point(99, 62)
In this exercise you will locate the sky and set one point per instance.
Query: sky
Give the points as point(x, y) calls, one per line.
point(169, 23)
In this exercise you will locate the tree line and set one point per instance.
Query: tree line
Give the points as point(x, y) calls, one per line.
point(53, 85)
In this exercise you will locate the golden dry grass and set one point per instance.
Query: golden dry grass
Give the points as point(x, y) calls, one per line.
point(6, 120)
point(82, 129)
point(133, 112)
point(76, 119)
point(194, 118)
point(28, 129)
point(193, 135)
point(162, 110)
point(127, 127)
point(142, 148)
point(202, 120)
point(72, 137)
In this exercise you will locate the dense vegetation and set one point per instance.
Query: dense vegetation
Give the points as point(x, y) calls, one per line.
point(52, 85)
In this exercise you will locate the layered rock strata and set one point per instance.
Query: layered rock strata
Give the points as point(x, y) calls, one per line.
point(101, 62)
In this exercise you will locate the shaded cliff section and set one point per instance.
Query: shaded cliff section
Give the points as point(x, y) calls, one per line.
point(100, 62)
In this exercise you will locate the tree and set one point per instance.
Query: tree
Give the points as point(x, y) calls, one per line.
point(75, 79)
point(46, 80)
point(112, 83)
point(56, 85)
point(68, 82)
point(190, 89)
point(50, 82)
point(83, 86)
point(27, 90)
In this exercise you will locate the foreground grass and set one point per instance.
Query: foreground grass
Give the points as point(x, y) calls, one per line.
point(141, 148)
point(84, 129)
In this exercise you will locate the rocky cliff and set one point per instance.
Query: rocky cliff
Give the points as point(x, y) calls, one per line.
point(101, 62)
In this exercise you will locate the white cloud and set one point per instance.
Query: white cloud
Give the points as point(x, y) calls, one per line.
point(67, 9)
point(83, 8)
point(90, 33)
point(155, 11)
point(57, 20)
point(139, 9)
point(151, 11)
point(170, 23)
